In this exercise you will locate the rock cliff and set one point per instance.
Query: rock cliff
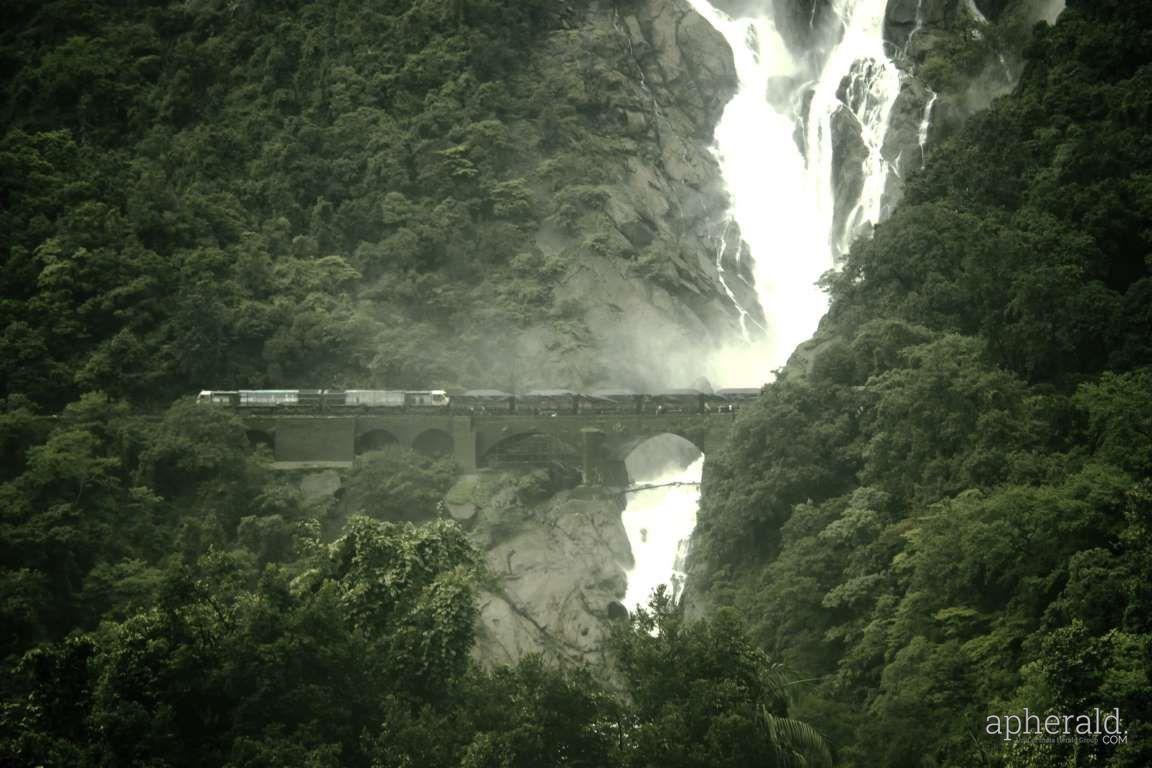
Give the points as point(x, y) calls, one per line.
point(957, 55)
point(557, 569)
point(641, 299)
point(638, 302)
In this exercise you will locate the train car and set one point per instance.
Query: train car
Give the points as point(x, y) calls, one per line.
point(478, 401)
point(281, 399)
point(612, 401)
point(430, 399)
point(310, 399)
point(736, 398)
point(268, 398)
point(549, 401)
point(375, 399)
point(676, 401)
point(219, 397)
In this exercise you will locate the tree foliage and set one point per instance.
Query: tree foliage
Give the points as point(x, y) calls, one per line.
point(240, 193)
point(941, 517)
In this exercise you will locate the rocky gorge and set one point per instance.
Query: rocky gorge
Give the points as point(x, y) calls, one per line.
point(648, 246)
point(658, 279)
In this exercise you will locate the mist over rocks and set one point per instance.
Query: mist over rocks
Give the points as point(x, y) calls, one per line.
point(557, 563)
point(799, 19)
point(905, 16)
point(640, 300)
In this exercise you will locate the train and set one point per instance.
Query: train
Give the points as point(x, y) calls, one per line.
point(552, 402)
point(325, 399)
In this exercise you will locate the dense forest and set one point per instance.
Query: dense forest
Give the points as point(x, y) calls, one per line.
point(238, 193)
point(168, 601)
point(232, 193)
point(947, 514)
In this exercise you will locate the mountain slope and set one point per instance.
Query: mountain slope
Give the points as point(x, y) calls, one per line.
point(940, 511)
point(222, 194)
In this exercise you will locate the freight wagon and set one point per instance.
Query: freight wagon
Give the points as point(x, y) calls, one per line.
point(736, 398)
point(549, 401)
point(482, 401)
point(620, 401)
point(677, 401)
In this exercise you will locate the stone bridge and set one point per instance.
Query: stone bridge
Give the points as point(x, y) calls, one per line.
point(597, 443)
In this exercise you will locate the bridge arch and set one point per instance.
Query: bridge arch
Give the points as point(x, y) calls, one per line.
point(434, 442)
point(258, 438)
point(375, 440)
point(650, 456)
point(528, 447)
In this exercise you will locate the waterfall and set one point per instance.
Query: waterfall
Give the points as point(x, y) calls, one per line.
point(659, 521)
point(721, 275)
point(780, 144)
point(775, 146)
point(664, 473)
point(926, 122)
point(917, 27)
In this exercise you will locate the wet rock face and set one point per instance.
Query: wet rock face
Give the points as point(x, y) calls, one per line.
point(904, 17)
point(902, 144)
point(921, 32)
point(937, 11)
point(797, 18)
point(848, 152)
point(902, 13)
point(557, 555)
point(643, 287)
point(679, 53)
point(558, 568)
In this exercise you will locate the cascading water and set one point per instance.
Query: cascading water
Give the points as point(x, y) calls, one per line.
point(775, 144)
point(664, 473)
point(659, 520)
point(926, 122)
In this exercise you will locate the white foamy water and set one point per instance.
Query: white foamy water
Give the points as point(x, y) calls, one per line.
point(926, 122)
point(659, 523)
point(774, 145)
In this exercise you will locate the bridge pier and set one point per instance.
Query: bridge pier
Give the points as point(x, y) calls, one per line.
point(464, 443)
point(592, 455)
point(600, 466)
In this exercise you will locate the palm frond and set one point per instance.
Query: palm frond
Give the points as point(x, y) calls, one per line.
point(796, 744)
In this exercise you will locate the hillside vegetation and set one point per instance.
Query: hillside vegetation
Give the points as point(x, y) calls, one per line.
point(230, 193)
point(947, 514)
point(239, 192)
